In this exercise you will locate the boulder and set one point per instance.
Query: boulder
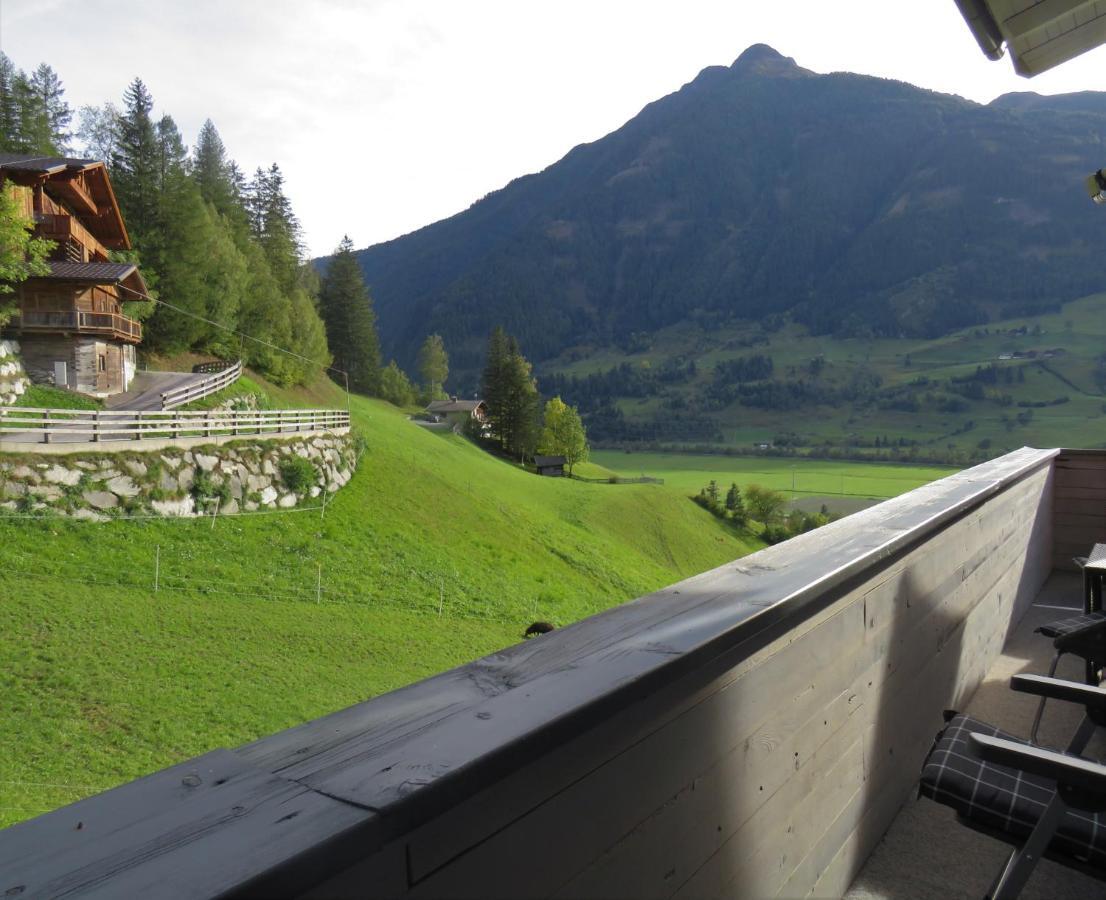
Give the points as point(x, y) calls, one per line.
point(101, 499)
point(13, 489)
point(136, 468)
point(168, 482)
point(258, 482)
point(207, 463)
point(185, 477)
point(88, 515)
point(62, 475)
point(46, 492)
point(171, 462)
point(175, 508)
point(268, 496)
point(230, 508)
point(287, 501)
point(234, 484)
point(124, 486)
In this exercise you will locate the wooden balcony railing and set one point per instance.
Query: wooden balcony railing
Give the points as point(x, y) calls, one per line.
point(107, 324)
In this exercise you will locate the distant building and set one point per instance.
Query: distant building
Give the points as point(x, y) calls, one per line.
point(553, 466)
point(70, 322)
point(458, 412)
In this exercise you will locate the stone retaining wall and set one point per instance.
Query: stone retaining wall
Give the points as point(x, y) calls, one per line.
point(244, 476)
point(13, 380)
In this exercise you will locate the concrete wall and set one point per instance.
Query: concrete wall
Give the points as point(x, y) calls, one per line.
point(1080, 499)
point(776, 775)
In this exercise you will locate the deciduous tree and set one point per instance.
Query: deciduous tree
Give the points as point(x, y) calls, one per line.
point(563, 433)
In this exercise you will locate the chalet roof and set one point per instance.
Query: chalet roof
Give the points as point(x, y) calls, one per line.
point(543, 461)
point(82, 183)
point(126, 274)
point(444, 406)
point(45, 165)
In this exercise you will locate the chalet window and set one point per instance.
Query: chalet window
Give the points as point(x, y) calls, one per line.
point(103, 363)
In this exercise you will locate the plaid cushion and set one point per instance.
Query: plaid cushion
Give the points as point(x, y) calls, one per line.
point(1066, 626)
point(1002, 798)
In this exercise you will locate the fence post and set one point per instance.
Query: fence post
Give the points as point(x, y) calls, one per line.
point(96, 426)
point(46, 426)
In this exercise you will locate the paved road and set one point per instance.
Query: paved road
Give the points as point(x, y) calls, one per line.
point(147, 388)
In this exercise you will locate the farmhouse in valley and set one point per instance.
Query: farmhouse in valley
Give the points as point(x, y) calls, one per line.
point(70, 321)
point(458, 412)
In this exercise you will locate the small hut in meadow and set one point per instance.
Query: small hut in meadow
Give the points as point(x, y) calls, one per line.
point(553, 466)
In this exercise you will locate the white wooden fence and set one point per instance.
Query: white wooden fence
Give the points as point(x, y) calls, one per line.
point(200, 389)
point(45, 426)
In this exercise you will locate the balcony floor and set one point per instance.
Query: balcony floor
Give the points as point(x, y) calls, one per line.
point(926, 854)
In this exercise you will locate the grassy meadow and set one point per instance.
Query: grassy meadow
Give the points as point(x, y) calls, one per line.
point(435, 554)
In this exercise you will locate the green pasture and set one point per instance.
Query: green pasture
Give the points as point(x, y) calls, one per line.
point(687, 473)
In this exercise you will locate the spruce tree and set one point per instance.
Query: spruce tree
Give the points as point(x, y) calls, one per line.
point(519, 409)
point(9, 107)
point(350, 321)
point(49, 99)
point(213, 173)
point(136, 163)
point(493, 380)
point(735, 506)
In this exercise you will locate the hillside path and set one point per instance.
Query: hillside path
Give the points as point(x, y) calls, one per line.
point(147, 388)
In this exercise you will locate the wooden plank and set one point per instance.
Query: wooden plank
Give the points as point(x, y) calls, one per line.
point(199, 829)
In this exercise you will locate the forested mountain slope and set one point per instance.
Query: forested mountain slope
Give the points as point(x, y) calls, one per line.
point(855, 204)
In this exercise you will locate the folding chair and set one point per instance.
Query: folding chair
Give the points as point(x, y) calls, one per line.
point(1042, 801)
point(1083, 635)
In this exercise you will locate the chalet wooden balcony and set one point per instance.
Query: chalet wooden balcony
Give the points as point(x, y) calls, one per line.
point(752, 731)
point(109, 325)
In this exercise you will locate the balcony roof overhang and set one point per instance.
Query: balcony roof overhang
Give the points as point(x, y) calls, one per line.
point(98, 206)
point(125, 274)
point(1039, 35)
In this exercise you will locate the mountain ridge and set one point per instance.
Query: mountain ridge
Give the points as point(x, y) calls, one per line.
point(849, 203)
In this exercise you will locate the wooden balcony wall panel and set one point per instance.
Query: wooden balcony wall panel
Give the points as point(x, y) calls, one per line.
point(1080, 502)
point(771, 772)
point(63, 225)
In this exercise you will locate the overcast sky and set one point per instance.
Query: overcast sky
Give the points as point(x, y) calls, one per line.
point(386, 115)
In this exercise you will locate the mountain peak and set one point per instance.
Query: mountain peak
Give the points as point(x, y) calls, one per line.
point(760, 59)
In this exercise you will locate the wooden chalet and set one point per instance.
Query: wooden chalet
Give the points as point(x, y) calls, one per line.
point(70, 322)
point(458, 412)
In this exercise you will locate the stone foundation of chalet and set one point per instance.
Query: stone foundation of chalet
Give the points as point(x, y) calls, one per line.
point(13, 380)
point(227, 479)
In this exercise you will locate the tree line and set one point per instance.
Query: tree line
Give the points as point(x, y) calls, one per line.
point(519, 426)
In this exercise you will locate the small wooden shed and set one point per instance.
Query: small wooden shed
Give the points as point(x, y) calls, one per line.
point(553, 466)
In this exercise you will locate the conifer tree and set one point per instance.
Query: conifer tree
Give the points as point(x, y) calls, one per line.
point(49, 100)
point(213, 173)
point(492, 381)
point(9, 107)
point(735, 506)
point(350, 321)
point(519, 409)
point(433, 364)
point(135, 165)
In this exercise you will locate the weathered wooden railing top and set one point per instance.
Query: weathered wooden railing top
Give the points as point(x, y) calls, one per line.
point(284, 812)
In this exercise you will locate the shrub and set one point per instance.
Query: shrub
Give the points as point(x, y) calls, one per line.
point(299, 474)
point(204, 489)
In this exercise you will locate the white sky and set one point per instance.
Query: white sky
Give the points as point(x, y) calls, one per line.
point(386, 115)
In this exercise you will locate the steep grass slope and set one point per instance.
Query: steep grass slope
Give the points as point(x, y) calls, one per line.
point(434, 555)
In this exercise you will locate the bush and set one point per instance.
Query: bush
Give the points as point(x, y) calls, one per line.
point(775, 534)
point(299, 474)
point(204, 490)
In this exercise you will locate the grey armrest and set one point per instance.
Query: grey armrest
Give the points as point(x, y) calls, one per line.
point(1060, 689)
point(1064, 769)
